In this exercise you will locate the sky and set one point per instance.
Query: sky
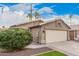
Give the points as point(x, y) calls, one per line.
point(47, 11)
point(58, 8)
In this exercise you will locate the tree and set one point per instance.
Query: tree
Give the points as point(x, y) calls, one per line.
point(29, 16)
point(37, 15)
point(14, 39)
point(70, 16)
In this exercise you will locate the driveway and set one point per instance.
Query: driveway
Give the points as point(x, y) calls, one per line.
point(68, 47)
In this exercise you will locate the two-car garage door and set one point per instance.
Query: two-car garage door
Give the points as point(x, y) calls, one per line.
point(55, 36)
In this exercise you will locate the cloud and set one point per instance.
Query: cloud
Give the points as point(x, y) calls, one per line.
point(21, 7)
point(66, 19)
point(6, 8)
point(35, 4)
point(45, 10)
point(19, 12)
point(25, 7)
point(52, 6)
point(15, 14)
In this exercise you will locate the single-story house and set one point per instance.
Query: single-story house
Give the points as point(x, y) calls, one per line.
point(51, 31)
point(74, 32)
point(47, 32)
point(28, 24)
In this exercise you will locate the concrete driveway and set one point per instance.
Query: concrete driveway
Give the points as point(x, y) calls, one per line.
point(68, 47)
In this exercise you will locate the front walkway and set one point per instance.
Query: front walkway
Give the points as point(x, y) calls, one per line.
point(68, 47)
point(36, 45)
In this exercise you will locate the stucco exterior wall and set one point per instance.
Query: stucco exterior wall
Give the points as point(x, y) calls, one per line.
point(36, 34)
point(52, 25)
point(56, 25)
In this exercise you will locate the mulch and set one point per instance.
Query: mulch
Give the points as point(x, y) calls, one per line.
point(26, 52)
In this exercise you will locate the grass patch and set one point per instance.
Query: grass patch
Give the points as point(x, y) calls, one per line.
point(52, 53)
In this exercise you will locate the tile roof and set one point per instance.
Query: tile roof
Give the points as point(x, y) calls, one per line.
point(27, 23)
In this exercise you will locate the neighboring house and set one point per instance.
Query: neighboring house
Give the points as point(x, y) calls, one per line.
point(28, 24)
point(51, 31)
point(74, 32)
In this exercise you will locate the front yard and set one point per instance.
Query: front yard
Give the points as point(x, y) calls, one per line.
point(52, 53)
point(44, 51)
point(26, 52)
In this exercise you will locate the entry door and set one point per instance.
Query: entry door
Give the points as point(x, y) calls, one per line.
point(55, 36)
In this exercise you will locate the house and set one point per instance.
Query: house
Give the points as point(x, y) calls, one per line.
point(28, 24)
point(51, 31)
point(74, 32)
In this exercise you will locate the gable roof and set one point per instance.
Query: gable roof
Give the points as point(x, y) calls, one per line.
point(27, 23)
point(52, 21)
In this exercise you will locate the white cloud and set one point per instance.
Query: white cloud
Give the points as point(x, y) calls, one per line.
point(35, 4)
point(9, 18)
point(19, 12)
point(6, 8)
point(45, 10)
point(26, 7)
point(22, 7)
point(66, 18)
point(17, 15)
point(74, 19)
point(52, 6)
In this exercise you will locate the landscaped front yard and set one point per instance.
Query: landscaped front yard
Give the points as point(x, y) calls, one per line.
point(52, 53)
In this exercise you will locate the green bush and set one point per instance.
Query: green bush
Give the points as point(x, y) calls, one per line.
point(14, 38)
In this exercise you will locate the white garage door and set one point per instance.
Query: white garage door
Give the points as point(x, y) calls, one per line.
point(55, 36)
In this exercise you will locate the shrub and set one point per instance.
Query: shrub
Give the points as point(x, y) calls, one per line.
point(14, 38)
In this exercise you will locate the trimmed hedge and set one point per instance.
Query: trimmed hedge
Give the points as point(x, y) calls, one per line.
point(15, 38)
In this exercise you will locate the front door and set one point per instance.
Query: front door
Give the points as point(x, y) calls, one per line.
point(72, 33)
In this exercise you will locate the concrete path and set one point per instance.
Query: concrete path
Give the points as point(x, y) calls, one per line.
point(68, 47)
point(34, 46)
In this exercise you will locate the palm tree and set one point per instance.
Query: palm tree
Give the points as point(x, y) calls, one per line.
point(70, 16)
point(2, 9)
point(31, 11)
point(30, 14)
point(37, 15)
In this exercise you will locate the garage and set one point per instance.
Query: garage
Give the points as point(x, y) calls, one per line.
point(55, 35)
point(51, 31)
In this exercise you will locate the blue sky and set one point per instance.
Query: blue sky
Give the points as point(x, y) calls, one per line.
point(57, 8)
point(62, 8)
point(46, 10)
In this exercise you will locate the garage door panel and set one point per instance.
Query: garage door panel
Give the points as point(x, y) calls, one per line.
point(55, 36)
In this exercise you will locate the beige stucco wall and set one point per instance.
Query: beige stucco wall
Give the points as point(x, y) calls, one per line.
point(55, 25)
point(43, 28)
point(36, 34)
point(52, 25)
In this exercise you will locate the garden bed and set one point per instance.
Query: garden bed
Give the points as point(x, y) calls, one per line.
point(26, 52)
